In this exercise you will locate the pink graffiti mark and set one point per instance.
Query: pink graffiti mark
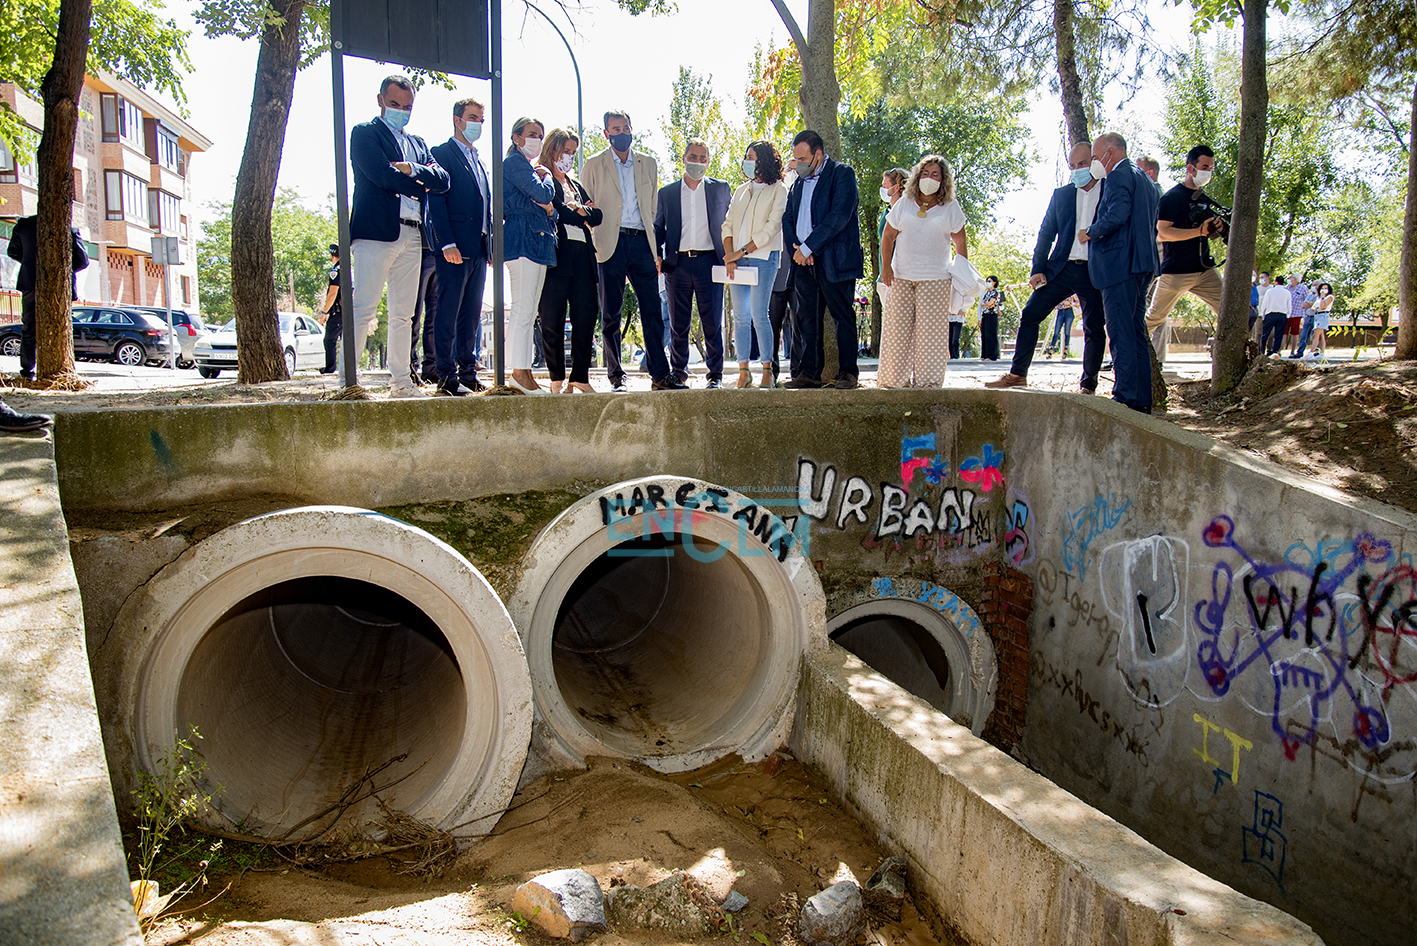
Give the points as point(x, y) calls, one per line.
point(908, 468)
point(984, 470)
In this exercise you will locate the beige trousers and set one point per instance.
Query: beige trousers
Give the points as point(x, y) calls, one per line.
point(1169, 290)
point(915, 334)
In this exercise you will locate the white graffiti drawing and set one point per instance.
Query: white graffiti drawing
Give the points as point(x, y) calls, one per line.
point(1144, 589)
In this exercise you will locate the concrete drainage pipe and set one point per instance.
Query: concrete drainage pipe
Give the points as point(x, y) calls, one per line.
point(663, 621)
point(310, 647)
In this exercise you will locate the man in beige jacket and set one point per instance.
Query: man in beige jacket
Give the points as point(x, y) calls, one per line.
point(624, 184)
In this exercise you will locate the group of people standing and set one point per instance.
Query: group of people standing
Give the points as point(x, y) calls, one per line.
point(572, 245)
point(1290, 314)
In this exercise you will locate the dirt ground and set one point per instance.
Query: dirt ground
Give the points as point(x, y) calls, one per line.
point(771, 831)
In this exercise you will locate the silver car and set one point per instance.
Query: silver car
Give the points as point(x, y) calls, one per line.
point(300, 336)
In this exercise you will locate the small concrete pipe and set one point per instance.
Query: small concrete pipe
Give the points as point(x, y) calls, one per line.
point(310, 647)
point(642, 645)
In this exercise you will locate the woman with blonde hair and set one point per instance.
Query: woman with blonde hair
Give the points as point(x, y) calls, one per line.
point(529, 242)
point(915, 259)
point(752, 239)
point(573, 280)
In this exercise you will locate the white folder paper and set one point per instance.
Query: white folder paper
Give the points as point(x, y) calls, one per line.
point(742, 276)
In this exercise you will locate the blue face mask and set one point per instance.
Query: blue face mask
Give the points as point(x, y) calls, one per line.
point(1082, 177)
point(622, 141)
point(397, 117)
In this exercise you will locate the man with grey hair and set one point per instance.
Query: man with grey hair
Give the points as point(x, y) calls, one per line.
point(1122, 261)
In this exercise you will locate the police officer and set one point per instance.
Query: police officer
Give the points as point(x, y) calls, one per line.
point(330, 313)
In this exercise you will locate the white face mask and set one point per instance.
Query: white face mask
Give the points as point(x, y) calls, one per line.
point(565, 162)
point(1098, 171)
point(928, 186)
point(531, 147)
point(1202, 178)
point(885, 194)
point(472, 131)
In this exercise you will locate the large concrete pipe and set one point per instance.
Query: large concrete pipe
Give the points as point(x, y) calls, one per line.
point(309, 648)
point(940, 654)
point(663, 621)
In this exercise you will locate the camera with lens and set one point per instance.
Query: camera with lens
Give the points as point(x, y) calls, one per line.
point(1205, 209)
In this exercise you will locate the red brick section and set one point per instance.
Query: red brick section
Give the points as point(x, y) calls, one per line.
point(1005, 609)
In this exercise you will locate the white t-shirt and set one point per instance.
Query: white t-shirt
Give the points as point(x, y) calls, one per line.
point(923, 249)
point(1274, 300)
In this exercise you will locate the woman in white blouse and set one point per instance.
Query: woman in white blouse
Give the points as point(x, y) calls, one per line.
point(1323, 312)
point(752, 239)
point(915, 259)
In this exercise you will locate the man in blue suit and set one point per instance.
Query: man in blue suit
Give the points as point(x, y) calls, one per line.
point(821, 231)
point(688, 232)
point(460, 223)
point(1122, 261)
point(1059, 270)
point(394, 172)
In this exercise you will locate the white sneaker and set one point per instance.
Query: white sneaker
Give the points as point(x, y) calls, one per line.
point(406, 390)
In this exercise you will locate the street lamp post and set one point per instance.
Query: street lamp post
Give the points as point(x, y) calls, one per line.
point(580, 117)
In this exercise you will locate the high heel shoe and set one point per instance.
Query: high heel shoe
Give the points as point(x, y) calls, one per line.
point(513, 382)
point(745, 378)
point(581, 387)
point(556, 386)
point(767, 381)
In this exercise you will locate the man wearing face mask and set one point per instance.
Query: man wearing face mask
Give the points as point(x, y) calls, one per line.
point(1122, 261)
point(1059, 271)
point(624, 184)
point(821, 230)
point(394, 172)
point(1185, 223)
point(688, 233)
point(460, 224)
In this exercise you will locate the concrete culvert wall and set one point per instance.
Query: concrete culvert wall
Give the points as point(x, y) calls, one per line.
point(661, 628)
point(924, 653)
point(311, 647)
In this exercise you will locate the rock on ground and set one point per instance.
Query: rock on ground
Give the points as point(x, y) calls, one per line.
point(677, 903)
point(834, 917)
point(567, 904)
point(885, 891)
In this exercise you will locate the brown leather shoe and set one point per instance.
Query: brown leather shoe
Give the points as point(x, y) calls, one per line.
point(1082, 390)
point(1009, 380)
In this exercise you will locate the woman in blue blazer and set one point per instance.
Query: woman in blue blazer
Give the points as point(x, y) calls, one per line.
point(529, 243)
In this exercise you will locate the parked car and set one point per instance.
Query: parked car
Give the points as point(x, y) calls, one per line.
point(300, 336)
point(188, 327)
point(128, 336)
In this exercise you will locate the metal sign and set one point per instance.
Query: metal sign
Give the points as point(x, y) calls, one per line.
point(166, 252)
point(443, 35)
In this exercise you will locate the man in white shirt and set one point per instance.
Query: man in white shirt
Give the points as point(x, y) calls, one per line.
point(688, 231)
point(1274, 310)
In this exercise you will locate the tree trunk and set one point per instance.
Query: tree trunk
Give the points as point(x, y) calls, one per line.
point(253, 290)
point(54, 278)
point(1073, 112)
point(1232, 324)
point(1407, 268)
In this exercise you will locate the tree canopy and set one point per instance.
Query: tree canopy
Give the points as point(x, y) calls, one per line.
point(301, 237)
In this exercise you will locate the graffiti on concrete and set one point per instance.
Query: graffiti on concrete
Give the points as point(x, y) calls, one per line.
point(960, 614)
point(1323, 643)
point(1264, 842)
point(1071, 685)
point(1237, 742)
point(1086, 524)
point(674, 514)
point(932, 513)
point(1144, 590)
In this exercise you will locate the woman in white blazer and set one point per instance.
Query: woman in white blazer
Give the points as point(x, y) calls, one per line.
point(752, 239)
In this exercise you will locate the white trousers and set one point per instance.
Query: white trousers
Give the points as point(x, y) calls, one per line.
point(525, 280)
point(397, 264)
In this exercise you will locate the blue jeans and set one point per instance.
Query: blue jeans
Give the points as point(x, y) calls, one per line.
point(1062, 328)
point(750, 309)
point(1308, 330)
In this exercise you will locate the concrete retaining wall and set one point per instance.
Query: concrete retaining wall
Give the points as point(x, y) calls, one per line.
point(62, 874)
point(1001, 854)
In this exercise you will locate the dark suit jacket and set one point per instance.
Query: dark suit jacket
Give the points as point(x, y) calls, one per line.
point(1059, 228)
point(566, 217)
point(836, 226)
point(1123, 234)
point(458, 214)
point(373, 149)
point(24, 246)
point(669, 218)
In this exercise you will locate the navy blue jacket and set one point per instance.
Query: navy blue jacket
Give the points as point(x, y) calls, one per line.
point(836, 226)
point(24, 246)
point(1122, 237)
point(373, 149)
point(529, 231)
point(460, 214)
point(669, 218)
point(1060, 225)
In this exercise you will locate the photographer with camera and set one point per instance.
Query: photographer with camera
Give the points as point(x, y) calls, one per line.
point(1187, 219)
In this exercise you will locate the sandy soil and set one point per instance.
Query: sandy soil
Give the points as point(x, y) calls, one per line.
point(770, 831)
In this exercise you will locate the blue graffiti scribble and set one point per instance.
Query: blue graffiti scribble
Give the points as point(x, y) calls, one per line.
point(909, 463)
point(1264, 843)
point(1086, 524)
point(984, 470)
point(163, 452)
point(883, 588)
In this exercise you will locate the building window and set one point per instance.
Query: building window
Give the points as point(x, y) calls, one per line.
point(15, 170)
point(127, 197)
point(186, 290)
point(79, 185)
point(162, 211)
point(122, 120)
point(182, 228)
point(162, 147)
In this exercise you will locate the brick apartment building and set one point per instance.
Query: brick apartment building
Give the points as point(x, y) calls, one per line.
point(132, 181)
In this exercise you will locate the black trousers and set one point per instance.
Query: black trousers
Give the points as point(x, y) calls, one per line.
point(1073, 279)
point(424, 311)
point(571, 282)
point(989, 335)
point(814, 297)
point(28, 338)
point(782, 319)
point(631, 261)
point(956, 330)
point(332, 332)
point(692, 279)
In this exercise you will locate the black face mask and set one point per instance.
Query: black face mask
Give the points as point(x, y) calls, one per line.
point(622, 141)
